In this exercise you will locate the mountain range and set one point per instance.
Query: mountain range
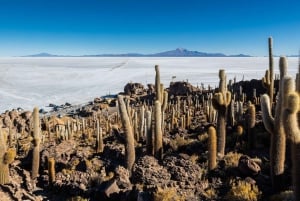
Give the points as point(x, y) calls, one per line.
point(179, 52)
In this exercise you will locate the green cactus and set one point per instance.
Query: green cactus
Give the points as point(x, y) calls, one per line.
point(220, 102)
point(274, 126)
point(291, 126)
point(36, 144)
point(158, 145)
point(129, 144)
point(268, 80)
point(212, 148)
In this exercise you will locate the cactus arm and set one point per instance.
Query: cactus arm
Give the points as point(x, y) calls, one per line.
point(268, 120)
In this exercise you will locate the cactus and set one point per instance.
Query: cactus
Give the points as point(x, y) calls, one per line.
point(36, 143)
point(212, 148)
point(142, 121)
point(251, 125)
point(129, 138)
point(274, 126)
point(7, 156)
point(158, 145)
point(291, 126)
point(149, 141)
point(220, 102)
point(51, 170)
point(157, 83)
point(99, 139)
point(268, 80)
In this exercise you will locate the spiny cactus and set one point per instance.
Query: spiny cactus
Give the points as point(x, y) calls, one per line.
point(274, 126)
point(220, 102)
point(51, 169)
point(36, 143)
point(158, 145)
point(99, 139)
point(268, 80)
point(129, 138)
point(212, 148)
point(142, 121)
point(149, 137)
point(251, 125)
point(6, 157)
point(291, 126)
point(157, 83)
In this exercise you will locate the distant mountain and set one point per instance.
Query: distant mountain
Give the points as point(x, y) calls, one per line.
point(43, 54)
point(179, 52)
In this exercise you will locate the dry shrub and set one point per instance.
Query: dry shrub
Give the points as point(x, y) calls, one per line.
point(179, 142)
point(203, 137)
point(232, 159)
point(167, 194)
point(243, 191)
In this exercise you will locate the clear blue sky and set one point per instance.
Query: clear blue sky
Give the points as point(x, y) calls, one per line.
point(77, 27)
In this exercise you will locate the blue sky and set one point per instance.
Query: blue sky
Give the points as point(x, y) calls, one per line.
point(78, 27)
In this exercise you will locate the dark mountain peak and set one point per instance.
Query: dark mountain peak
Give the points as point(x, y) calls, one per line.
point(180, 49)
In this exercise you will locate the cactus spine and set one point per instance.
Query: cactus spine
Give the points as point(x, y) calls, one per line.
point(212, 148)
point(129, 138)
point(158, 145)
point(36, 148)
point(291, 126)
point(220, 101)
point(274, 126)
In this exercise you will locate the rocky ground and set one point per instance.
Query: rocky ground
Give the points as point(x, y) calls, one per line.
point(69, 133)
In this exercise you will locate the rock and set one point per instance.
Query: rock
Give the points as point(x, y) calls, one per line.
point(111, 188)
point(247, 166)
point(122, 176)
point(134, 89)
point(148, 172)
point(181, 89)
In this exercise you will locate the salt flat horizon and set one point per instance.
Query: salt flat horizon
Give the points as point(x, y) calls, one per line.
point(37, 81)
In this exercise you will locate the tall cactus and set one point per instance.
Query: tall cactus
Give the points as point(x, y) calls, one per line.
point(268, 80)
point(158, 145)
point(51, 170)
point(274, 126)
point(36, 143)
point(157, 83)
point(4, 171)
point(251, 125)
point(291, 126)
point(220, 101)
point(99, 138)
point(212, 148)
point(129, 137)
point(149, 138)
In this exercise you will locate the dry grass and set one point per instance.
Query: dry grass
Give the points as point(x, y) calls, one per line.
point(243, 191)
